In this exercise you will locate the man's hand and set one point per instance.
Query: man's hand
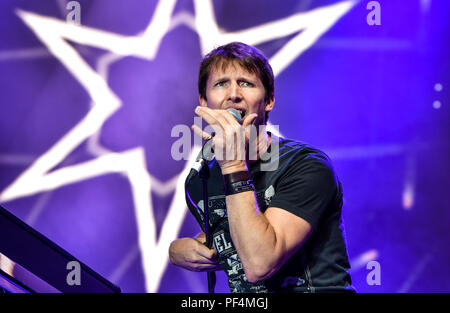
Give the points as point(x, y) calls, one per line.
point(231, 139)
point(193, 255)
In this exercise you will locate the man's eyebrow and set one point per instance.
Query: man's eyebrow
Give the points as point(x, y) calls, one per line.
point(240, 78)
point(247, 78)
point(221, 77)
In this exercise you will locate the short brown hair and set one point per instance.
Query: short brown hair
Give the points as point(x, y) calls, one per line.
point(247, 56)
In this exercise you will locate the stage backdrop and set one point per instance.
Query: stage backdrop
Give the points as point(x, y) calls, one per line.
point(90, 92)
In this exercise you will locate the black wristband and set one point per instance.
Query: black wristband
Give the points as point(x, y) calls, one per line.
point(236, 177)
point(237, 182)
point(240, 186)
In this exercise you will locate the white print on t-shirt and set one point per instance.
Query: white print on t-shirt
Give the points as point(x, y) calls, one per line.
point(235, 265)
point(221, 243)
point(268, 194)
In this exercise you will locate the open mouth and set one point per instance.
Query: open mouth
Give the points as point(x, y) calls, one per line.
point(242, 111)
point(239, 113)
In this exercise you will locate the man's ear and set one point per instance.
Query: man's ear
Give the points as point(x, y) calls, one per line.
point(270, 104)
point(202, 101)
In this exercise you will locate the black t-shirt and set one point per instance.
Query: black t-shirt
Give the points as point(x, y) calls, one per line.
point(300, 180)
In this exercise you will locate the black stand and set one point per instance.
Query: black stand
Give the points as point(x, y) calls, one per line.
point(204, 174)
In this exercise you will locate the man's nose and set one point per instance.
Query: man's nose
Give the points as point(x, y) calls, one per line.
point(235, 94)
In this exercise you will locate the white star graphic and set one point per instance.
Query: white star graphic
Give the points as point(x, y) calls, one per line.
point(55, 33)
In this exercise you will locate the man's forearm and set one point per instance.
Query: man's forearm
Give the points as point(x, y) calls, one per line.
point(252, 235)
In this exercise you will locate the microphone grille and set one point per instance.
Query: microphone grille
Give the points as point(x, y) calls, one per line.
point(236, 113)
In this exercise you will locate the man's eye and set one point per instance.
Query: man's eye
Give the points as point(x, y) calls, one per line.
point(220, 84)
point(246, 84)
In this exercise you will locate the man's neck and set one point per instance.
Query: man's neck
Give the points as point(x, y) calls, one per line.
point(260, 145)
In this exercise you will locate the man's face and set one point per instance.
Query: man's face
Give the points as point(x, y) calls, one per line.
point(233, 86)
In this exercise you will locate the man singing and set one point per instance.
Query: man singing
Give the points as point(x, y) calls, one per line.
point(275, 208)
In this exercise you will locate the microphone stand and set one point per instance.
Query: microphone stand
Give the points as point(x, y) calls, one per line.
point(204, 175)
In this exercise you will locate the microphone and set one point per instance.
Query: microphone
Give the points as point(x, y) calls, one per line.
point(207, 152)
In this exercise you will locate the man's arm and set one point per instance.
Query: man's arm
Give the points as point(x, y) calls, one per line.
point(264, 242)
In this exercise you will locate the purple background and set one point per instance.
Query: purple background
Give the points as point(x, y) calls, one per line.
point(364, 94)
